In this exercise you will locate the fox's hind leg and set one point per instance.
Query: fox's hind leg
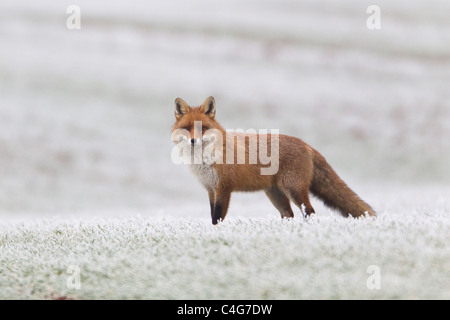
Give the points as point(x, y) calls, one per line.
point(280, 201)
point(295, 188)
point(301, 200)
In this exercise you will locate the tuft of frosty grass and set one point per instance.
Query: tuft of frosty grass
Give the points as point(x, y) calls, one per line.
point(322, 257)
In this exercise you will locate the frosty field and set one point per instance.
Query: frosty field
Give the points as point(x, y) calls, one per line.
point(324, 257)
point(88, 188)
point(246, 257)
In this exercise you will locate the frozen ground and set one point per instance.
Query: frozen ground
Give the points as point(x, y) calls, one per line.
point(84, 138)
point(326, 257)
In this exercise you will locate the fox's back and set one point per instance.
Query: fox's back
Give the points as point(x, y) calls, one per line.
point(250, 154)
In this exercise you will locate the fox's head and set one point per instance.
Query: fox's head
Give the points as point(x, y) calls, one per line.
point(197, 132)
point(197, 121)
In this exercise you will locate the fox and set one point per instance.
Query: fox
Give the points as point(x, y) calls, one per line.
point(298, 169)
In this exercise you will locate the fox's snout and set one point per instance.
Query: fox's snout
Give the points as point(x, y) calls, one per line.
point(187, 138)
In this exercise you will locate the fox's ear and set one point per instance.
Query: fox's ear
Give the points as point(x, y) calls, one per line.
point(209, 107)
point(181, 108)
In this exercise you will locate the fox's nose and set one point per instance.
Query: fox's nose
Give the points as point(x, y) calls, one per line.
point(192, 141)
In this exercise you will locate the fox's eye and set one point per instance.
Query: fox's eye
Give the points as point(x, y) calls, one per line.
point(187, 128)
point(205, 128)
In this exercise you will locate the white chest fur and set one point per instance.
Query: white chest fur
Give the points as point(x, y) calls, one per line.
point(206, 173)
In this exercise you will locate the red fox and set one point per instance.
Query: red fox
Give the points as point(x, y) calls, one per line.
point(230, 165)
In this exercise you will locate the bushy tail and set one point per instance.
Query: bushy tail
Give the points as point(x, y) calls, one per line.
point(332, 190)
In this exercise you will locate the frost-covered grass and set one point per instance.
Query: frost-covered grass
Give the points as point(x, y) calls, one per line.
point(325, 257)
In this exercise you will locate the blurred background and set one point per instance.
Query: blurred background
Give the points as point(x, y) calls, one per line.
point(86, 115)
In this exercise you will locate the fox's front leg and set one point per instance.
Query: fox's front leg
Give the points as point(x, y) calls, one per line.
point(222, 200)
point(212, 201)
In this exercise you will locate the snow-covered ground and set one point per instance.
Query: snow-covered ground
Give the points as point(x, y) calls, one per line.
point(326, 257)
point(86, 116)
